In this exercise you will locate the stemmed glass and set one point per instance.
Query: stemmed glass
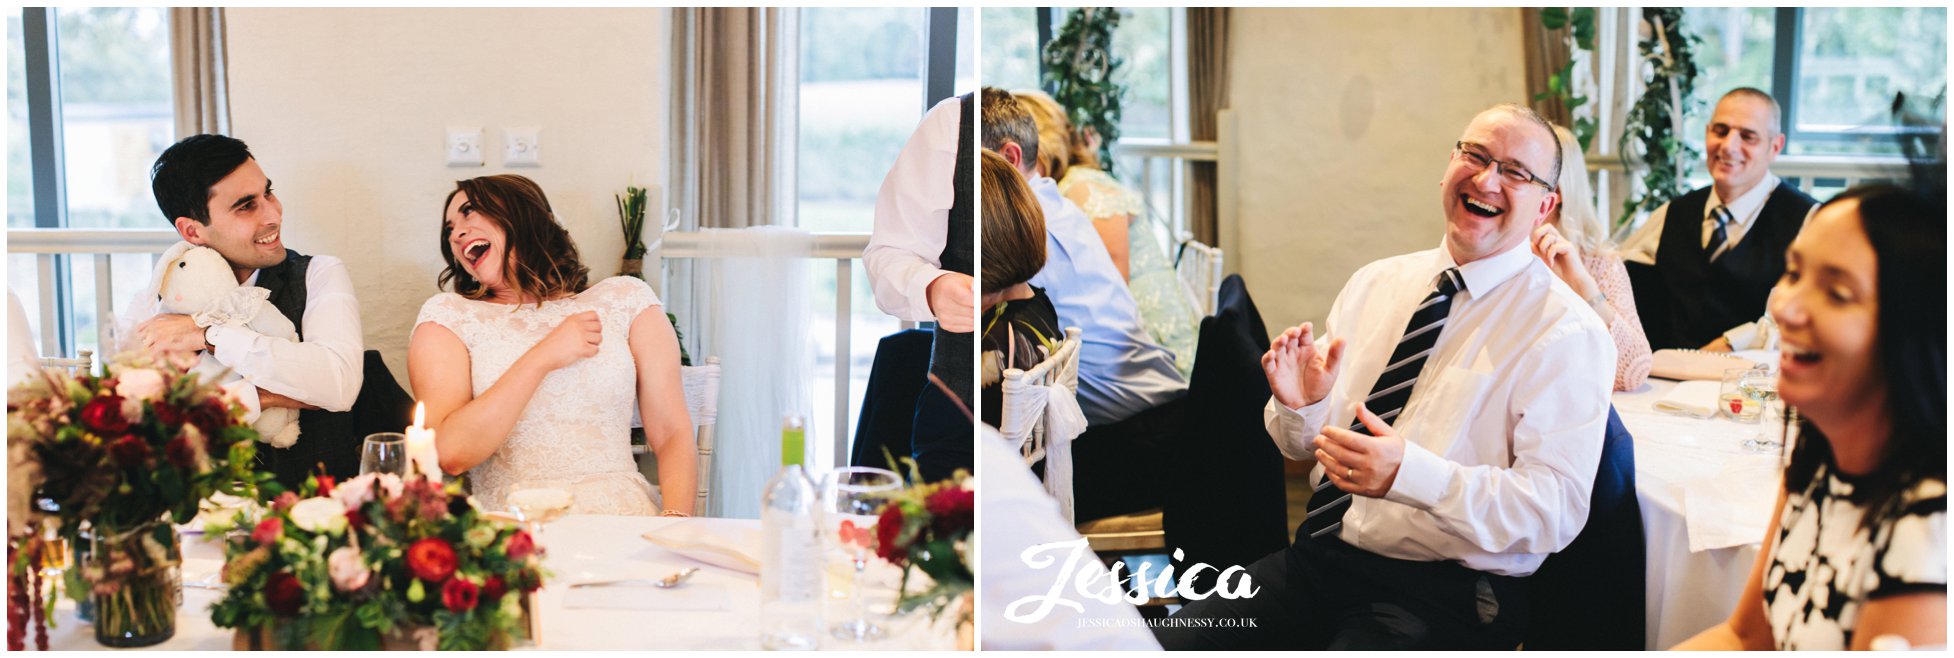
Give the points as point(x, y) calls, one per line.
point(537, 503)
point(1760, 386)
point(852, 498)
point(384, 452)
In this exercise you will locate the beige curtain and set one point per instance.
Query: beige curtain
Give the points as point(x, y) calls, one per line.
point(1546, 52)
point(1207, 82)
point(732, 116)
point(202, 94)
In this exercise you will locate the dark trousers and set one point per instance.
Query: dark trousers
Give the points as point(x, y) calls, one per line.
point(1324, 594)
point(940, 436)
point(1121, 468)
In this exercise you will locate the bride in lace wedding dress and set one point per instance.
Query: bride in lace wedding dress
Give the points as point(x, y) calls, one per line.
point(529, 376)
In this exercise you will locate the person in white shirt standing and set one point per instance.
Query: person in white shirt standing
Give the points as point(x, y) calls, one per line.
point(1720, 258)
point(1454, 409)
point(214, 194)
point(921, 259)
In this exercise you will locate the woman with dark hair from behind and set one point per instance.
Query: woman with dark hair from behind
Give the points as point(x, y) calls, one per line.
point(529, 373)
point(1019, 324)
point(1856, 554)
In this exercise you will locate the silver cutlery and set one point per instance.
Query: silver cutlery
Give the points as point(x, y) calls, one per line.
point(667, 582)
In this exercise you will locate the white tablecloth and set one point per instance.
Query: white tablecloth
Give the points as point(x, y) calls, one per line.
point(580, 547)
point(1676, 456)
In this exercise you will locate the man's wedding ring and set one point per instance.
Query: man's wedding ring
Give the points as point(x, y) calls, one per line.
point(1350, 473)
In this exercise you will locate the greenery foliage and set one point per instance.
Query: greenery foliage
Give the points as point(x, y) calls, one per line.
point(1578, 25)
point(1652, 136)
point(1079, 73)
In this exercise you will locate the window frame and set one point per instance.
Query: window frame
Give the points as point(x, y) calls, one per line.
point(41, 37)
point(1787, 61)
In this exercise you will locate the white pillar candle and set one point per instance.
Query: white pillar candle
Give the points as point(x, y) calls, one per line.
point(420, 445)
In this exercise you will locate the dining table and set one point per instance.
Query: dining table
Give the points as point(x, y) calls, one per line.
point(717, 608)
point(1706, 499)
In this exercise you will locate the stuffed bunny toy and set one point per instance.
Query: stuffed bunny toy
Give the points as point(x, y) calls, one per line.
point(200, 283)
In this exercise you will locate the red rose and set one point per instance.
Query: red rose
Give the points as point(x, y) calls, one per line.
point(356, 520)
point(432, 560)
point(493, 589)
point(520, 545)
point(130, 450)
point(888, 528)
point(459, 595)
point(268, 531)
point(952, 510)
point(211, 416)
point(168, 414)
point(181, 452)
point(531, 580)
point(325, 484)
point(103, 416)
point(284, 594)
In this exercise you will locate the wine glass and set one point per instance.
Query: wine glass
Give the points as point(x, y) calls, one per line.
point(1761, 385)
point(384, 452)
point(852, 499)
point(538, 503)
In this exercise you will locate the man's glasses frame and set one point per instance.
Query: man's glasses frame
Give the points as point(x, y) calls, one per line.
point(1514, 173)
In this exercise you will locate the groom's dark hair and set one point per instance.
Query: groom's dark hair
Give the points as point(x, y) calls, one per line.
point(183, 175)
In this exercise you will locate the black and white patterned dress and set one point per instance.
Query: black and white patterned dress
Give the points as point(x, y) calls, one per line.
point(1826, 565)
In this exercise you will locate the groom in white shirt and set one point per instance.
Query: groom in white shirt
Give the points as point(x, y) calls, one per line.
point(1454, 409)
point(214, 194)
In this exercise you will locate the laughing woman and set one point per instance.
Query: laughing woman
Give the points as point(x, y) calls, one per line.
point(1858, 547)
point(529, 374)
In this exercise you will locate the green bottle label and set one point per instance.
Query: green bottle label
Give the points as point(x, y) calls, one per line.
point(793, 446)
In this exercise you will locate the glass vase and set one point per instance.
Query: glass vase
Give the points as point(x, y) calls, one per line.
point(133, 576)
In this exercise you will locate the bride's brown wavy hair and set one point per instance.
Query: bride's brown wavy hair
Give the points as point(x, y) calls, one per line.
point(539, 260)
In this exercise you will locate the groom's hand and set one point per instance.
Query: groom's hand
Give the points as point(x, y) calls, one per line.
point(576, 338)
point(170, 333)
point(953, 302)
point(1299, 374)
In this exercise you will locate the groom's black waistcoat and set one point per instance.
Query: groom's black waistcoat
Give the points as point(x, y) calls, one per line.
point(951, 354)
point(326, 438)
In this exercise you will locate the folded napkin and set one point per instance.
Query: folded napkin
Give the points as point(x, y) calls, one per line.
point(1697, 399)
point(716, 542)
point(1688, 365)
point(690, 596)
point(1734, 507)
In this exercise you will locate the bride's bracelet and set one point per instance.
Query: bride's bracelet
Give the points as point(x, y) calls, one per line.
point(677, 513)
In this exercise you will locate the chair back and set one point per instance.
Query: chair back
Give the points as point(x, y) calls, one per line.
point(1608, 556)
point(83, 363)
point(701, 384)
point(1199, 268)
point(895, 383)
point(1022, 416)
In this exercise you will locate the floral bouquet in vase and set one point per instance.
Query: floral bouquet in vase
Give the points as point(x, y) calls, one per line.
point(113, 461)
point(927, 527)
point(376, 562)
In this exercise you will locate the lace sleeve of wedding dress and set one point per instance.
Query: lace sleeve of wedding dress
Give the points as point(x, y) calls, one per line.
point(440, 309)
point(1105, 196)
point(626, 297)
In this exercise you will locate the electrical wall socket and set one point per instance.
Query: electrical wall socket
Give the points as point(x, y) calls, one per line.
point(464, 147)
point(521, 148)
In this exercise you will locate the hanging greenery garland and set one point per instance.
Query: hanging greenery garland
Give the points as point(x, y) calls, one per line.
point(1078, 73)
point(1652, 135)
point(1568, 83)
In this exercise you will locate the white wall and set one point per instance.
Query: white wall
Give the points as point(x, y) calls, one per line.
point(347, 110)
point(1345, 119)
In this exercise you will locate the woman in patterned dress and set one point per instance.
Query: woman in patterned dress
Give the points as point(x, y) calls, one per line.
point(1857, 553)
point(530, 374)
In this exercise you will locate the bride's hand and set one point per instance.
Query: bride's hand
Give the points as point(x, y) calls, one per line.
point(576, 338)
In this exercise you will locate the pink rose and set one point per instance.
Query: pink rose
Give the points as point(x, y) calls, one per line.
point(141, 384)
point(358, 491)
point(347, 571)
point(268, 530)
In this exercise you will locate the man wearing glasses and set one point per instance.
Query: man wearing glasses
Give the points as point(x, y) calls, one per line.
point(1453, 407)
point(1722, 247)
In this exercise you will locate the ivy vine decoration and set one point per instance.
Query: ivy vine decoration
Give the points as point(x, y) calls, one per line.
point(1653, 131)
point(1577, 26)
point(1079, 73)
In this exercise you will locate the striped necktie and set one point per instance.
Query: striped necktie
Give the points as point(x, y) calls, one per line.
point(1720, 215)
point(1389, 395)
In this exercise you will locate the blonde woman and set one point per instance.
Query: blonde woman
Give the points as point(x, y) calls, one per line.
point(1070, 156)
point(1574, 244)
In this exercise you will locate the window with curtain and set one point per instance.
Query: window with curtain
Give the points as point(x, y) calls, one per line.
point(109, 81)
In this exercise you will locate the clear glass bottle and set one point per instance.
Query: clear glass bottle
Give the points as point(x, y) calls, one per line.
point(791, 573)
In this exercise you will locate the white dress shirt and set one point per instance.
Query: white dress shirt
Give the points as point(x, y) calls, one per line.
point(1018, 515)
point(1504, 427)
point(912, 217)
point(325, 370)
point(1122, 372)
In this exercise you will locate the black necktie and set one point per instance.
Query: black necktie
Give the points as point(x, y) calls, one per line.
point(1389, 395)
point(1720, 215)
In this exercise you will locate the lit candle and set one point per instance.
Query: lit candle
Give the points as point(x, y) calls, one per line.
point(420, 445)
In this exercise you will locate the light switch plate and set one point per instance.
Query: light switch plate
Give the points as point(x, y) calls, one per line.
point(521, 148)
point(464, 147)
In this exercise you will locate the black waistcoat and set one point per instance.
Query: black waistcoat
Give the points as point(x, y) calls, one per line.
point(1709, 297)
point(950, 356)
point(325, 437)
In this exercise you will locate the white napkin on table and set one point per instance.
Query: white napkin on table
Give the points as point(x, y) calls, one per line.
point(690, 596)
point(1692, 398)
point(728, 545)
point(1734, 507)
